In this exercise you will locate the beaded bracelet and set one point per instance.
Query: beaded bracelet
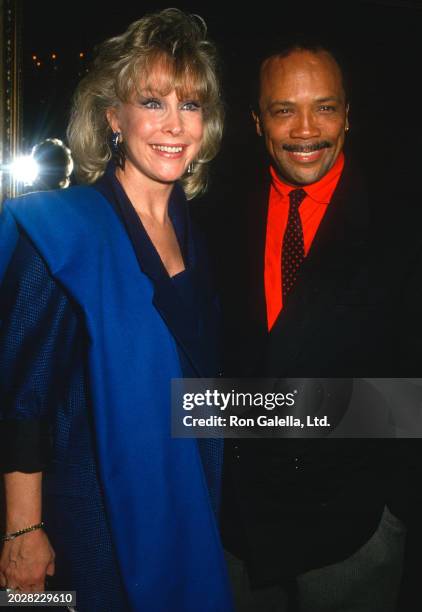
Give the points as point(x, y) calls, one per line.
point(11, 536)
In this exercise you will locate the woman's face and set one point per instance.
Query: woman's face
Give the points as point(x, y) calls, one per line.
point(162, 135)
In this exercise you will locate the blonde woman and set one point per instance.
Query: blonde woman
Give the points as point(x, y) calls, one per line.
point(105, 298)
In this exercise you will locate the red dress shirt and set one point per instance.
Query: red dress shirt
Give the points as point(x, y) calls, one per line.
point(312, 210)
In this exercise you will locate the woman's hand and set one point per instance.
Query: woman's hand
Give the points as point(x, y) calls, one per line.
point(25, 562)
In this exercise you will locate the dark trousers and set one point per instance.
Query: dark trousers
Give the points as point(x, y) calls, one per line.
point(367, 581)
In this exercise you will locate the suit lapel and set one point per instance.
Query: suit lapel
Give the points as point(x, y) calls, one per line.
point(337, 251)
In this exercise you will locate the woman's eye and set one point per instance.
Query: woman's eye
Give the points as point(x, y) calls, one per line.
point(191, 105)
point(152, 104)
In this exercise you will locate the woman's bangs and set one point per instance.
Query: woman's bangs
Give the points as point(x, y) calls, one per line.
point(190, 82)
point(161, 74)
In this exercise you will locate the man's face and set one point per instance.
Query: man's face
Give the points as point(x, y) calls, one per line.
point(303, 114)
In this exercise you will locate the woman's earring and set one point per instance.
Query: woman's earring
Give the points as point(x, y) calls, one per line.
point(191, 168)
point(118, 150)
point(115, 140)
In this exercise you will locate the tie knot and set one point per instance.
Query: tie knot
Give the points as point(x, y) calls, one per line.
point(296, 197)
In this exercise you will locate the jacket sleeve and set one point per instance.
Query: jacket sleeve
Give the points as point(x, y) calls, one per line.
point(37, 337)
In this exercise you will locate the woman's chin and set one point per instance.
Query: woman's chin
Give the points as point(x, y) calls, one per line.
point(170, 177)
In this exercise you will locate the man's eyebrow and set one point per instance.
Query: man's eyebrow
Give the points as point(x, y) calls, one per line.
point(275, 103)
point(291, 103)
point(283, 102)
point(329, 99)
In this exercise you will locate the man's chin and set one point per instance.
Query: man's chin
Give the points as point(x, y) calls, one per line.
point(302, 176)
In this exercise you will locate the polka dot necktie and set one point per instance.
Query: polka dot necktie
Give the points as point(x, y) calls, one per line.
point(293, 250)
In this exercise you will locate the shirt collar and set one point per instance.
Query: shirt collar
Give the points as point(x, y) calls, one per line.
point(321, 191)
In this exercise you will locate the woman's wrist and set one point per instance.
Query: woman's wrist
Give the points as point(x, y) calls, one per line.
point(12, 535)
point(20, 521)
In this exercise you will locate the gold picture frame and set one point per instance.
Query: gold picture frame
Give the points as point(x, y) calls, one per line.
point(10, 91)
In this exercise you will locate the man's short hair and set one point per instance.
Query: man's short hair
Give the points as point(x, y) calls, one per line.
point(285, 45)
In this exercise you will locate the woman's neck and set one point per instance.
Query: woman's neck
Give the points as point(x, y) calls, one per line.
point(149, 199)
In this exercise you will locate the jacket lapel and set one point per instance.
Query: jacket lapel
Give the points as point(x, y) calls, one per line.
point(190, 318)
point(337, 252)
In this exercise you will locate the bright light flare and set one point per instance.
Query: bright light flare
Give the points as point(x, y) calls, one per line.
point(25, 169)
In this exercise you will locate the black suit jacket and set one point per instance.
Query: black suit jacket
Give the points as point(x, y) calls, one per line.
point(293, 505)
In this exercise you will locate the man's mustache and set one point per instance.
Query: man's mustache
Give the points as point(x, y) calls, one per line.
point(316, 146)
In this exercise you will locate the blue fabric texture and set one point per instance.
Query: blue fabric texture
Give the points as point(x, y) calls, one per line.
point(43, 376)
point(186, 301)
point(156, 499)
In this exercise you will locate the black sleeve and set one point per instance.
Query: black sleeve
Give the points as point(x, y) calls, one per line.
point(37, 330)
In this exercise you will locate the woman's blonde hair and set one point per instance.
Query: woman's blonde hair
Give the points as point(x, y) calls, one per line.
point(169, 38)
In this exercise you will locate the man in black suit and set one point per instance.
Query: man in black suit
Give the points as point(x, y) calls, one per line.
point(311, 516)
